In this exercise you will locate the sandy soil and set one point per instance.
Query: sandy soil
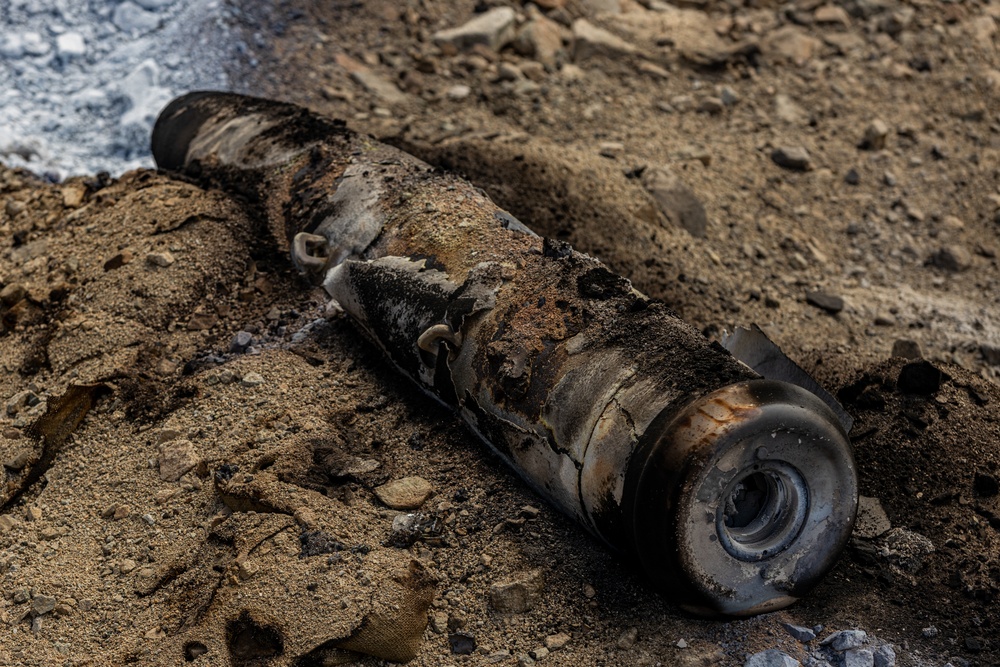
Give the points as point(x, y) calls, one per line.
point(217, 502)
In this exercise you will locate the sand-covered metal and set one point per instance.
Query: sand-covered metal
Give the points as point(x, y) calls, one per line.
point(734, 493)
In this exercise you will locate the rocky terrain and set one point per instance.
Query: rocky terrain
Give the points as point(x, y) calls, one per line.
point(201, 464)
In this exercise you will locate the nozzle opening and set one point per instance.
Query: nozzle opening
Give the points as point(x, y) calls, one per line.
point(762, 511)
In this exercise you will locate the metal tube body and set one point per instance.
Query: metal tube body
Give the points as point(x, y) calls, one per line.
point(603, 400)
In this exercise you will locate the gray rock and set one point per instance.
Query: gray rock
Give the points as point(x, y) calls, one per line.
point(831, 303)
point(177, 457)
point(676, 200)
point(800, 633)
point(541, 39)
point(952, 258)
point(930, 632)
point(884, 656)
point(241, 341)
point(872, 520)
point(771, 658)
point(70, 45)
point(34, 44)
point(19, 460)
point(907, 349)
point(11, 46)
point(20, 401)
point(493, 29)
point(42, 604)
point(845, 640)
point(518, 594)
point(875, 136)
point(858, 657)
point(134, 20)
point(905, 549)
point(792, 157)
point(589, 41)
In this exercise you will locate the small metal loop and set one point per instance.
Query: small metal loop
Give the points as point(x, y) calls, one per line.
point(431, 338)
point(304, 259)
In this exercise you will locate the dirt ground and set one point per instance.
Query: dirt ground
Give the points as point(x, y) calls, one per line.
point(207, 497)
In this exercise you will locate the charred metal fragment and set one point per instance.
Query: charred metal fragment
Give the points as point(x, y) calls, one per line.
point(734, 493)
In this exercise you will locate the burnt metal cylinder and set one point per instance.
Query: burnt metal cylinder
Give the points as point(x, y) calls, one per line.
point(734, 494)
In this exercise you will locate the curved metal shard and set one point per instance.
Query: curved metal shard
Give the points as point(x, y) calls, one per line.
point(734, 494)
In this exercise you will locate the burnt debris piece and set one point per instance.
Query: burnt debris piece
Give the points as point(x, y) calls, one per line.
point(733, 493)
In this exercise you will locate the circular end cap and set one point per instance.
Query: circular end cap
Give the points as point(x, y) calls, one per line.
point(746, 499)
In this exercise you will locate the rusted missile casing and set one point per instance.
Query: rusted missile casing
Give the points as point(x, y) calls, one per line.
point(734, 493)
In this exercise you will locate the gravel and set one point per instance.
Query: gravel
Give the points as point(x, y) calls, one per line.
point(81, 83)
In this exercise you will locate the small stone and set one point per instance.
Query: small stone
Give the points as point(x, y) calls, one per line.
point(858, 657)
point(63, 609)
point(33, 44)
point(676, 200)
point(611, 149)
point(628, 638)
point(907, 349)
point(20, 401)
point(589, 591)
point(872, 520)
point(248, 569)
point(42, 604)
point(885, 320)
point(439, 622)
point(557, 641)
point(539, 653)
point(793, 44)
point(33, 514)
point(492, 29)
point(458, 92)
point(160, 259)
point(176, 458)
point(884, 656)
point(240, 342)
point(49, 534)
point(985, 485)
point(18, 461)
point(462, 643)
point(70, 45)
point(800, 633)
point(930, 632)
point(889, 179)
point(653, 70)
point(788, 111)
point(952, 258)
point(118, 261)
point(852, 177)
point(134, 20)
point(541, 39)
point(974, 644)
point(519, 594)
point(711, 105)
point(408, 493)
point(128, 566)
point(875, 136)
point(73, 195)
point(681, 643)
point(7, 523)
point(771, 658)
point(12, 294)
point(589, 42)
point(252, 379)
point(729, 96)
point(832, 15)
point(845, 640)
point(792, 157)
point(202, 321)
point(831, 303)
point(920, 377)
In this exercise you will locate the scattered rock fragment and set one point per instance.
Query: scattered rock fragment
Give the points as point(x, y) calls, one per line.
point(177, 457)
point(628, 638)
point(875, 136)
point(858, 657)
point(160, 259)
point(800, 633)
point(951, 258)
point(589, 42)
point(872, 520)
point(12, 293)
point(408, 493)
point(42, 604)
point(795, 158)
point(519, 594)
point(252, 379)
point(676, 200)
point(541, 39)
point(557, 641)
point(240, 342)
point(884, 656)
point(845, 640)
point(462, 643)
point(905, 549)
point(771, 658)
point(492, 29)
point(831, 303)
point(920, 377)
point(7, 523)
point(832, 15)
point(793, 44)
